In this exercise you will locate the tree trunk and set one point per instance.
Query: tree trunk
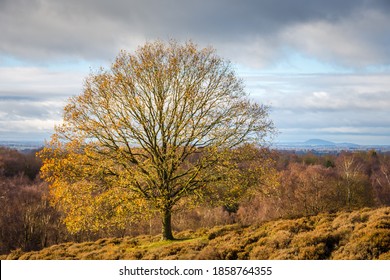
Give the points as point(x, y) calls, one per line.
point(167, 225)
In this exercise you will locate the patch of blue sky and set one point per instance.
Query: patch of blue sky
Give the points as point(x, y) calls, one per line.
point(379, 68)
point(9, 61)
point(299, 63)
point(64, 65)
point(296, 63)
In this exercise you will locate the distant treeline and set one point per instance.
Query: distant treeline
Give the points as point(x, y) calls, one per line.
point(303, 185)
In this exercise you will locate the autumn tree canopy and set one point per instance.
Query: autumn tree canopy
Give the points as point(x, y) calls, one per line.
point(153, 129)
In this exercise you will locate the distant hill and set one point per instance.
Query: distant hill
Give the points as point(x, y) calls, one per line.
point(325, 146)
point(22, 145)
point(324, 143)
point(362, 234)
point(318, 142)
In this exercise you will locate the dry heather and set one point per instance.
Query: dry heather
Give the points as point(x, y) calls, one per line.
point(362, 234)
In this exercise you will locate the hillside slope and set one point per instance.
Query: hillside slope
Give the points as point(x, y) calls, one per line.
point(362, 234)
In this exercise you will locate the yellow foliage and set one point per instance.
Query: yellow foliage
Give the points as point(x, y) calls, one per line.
point(151, 130)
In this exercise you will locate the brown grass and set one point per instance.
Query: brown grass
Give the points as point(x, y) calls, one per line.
point(362, 234)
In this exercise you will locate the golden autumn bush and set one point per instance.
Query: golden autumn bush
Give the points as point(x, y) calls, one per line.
point(361, 234)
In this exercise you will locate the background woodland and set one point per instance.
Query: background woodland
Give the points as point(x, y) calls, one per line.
point(301, 185)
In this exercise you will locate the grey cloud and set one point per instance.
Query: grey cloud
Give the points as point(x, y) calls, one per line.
point(251, 31)
point(358, 40)
point(352, 33)
point(17, 109)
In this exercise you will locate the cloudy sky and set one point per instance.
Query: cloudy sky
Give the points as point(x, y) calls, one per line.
point(322, 66)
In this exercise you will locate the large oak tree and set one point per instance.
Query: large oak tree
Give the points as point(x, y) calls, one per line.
point(155, 128)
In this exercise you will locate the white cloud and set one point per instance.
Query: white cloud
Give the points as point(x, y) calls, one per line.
point(29, 125)
point(35, 82)
point(335, 107)
point(358, 40)
point(322, 91)
point(32, 100)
